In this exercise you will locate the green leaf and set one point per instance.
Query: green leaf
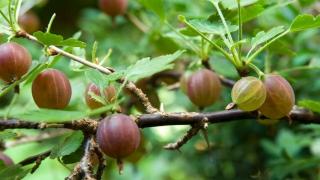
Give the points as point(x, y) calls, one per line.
point(69, 145)
point(263, 37)
point(57, 40)
point(48, 38)
point(211, 28)
point(157, 6)
point(251, 12)
point(147, 67)
point(102, 80)
point(313, 106)
point(97, 78)
point(73, 157)
point(303, 22)
point(72, 43)
point(13, 172)
point(232, 4)
point(50, 115)
point(7, 134)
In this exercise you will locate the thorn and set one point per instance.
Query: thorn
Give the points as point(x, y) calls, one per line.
point(205, 135)
point(231, 106)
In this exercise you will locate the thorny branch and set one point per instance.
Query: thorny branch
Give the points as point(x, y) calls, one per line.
point(84, 169)
point(195, 128)
point(164, 119)
point(105, 70)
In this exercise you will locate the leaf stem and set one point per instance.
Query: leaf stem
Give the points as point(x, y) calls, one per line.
point(251, 58)
point(225, 53)
point(256, 69)
point(235, 54)
point(51, 22)
point(240, 32)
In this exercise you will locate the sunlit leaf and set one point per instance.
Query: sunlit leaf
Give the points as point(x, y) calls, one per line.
point(69, 145)
point(263, 36)
point(303, 22)
point(147, 67)
point(50, 115)
point(311, 105)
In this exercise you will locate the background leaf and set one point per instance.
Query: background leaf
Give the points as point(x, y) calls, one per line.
point(303, 22)
point(69, 145)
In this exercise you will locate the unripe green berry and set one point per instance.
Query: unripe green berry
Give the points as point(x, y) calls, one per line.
point(249, 93)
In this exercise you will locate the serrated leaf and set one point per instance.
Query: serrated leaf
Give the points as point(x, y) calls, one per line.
point(57, 40)
point(157, 6)
point(147, 67)
point(211, 28)
point(50, 115)
point(313, 106)
point(48, 38)
point(69, 145)
point(303, 22)
point(263, 36)
point(72, 43)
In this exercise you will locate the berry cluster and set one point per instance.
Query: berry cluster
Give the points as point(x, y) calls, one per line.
point(272, 96)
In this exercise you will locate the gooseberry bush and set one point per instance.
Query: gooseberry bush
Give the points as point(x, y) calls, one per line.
point(85, 102)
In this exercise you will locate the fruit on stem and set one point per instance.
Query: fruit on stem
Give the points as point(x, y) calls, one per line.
point(118, 136)
point(203, 88)
point(6, 159)
point(29, 22)
point(113, 7)
point(15, 62)
point(51, 89)
point(109, 95)
point(249, 93)
point(280, 97)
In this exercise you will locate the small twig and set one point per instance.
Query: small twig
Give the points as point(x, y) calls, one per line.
point(143, 98)
point(38, 163)
point(188, 136)
point(35, 159)
point(86, 163)
point(38, 138)
point(101, 160)
point(137, 23)
point(105, 70)
point(76, 174)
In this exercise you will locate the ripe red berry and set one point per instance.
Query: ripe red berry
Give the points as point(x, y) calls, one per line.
point(109, 95)
point(29, 22)
point(15, 62)
point(280, 97)
point(118, 136)
point(113, 7)
point(51, 89)
point(203, 88)
point(6, 159)
point(249, 93)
